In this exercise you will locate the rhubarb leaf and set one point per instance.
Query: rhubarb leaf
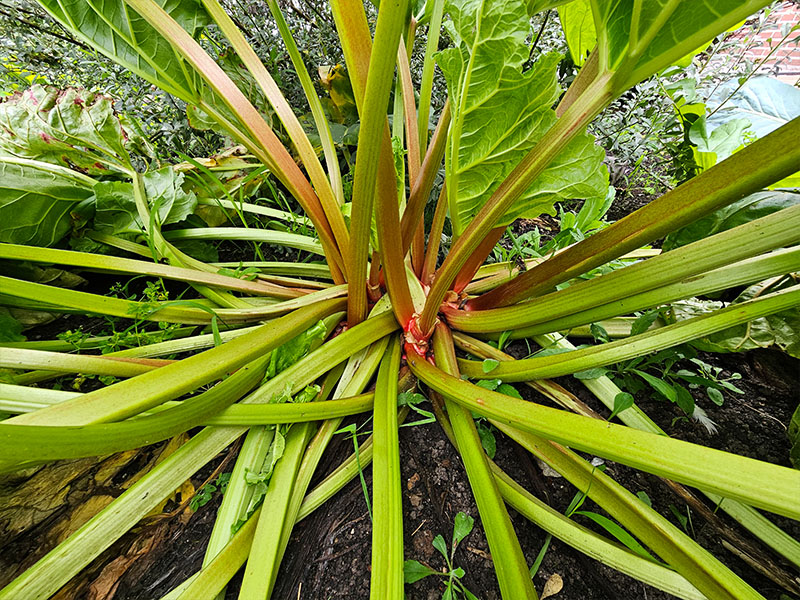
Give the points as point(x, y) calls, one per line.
point(646, 37)
point(113, 28)
point(72, 128)
point(115, 207)
point(501, 111)
point(36, 200)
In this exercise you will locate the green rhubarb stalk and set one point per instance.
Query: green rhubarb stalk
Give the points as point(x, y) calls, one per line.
point(546, 367)
point(139, 267)
point(590, 543)
point(681, 552)
point(264, 558)
point(779, 229)
point(744, 272)
point(257, 209)
point(371, 145)
point(760, 484)
point(16, 399)
point(133, 396)
point(267, 236)
point(314, 102)
point(23, 358)
point(428, 66)
point(606, 391)
point(20, 443)
point(509, 562)
point(386, 581)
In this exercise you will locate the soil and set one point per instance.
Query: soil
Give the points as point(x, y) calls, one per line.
point(329, 552)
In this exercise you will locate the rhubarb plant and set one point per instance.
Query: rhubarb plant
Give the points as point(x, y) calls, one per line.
point(511, 143)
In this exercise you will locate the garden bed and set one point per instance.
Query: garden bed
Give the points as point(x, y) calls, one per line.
point(329, 553)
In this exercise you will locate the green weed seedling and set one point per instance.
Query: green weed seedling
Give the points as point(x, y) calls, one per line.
point(414, 570)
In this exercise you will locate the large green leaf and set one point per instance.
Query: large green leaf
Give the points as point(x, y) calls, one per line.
point(578, 24)
point(115, 207)
point(535, 6)
point(742, 211)
point(73, 128)
point(117, 31)
point(641, 38)
point(36, 200)
point(780, 330)
point(766, 102)
point(721, 141)
point(501, 111)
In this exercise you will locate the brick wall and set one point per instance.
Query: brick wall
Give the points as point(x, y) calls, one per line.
point(784, 63)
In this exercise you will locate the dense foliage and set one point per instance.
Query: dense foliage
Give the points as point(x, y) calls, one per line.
point(277, 352)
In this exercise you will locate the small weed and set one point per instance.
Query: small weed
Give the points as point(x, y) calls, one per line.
point(414, 570)
point(204, 494)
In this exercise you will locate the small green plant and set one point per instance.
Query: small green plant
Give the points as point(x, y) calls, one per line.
point(414, 570)
point(204, 494)
point(671, 374)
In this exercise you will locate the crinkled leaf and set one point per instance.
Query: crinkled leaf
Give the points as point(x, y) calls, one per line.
point(165, 192)
point(117, 31)
point(413, 571)
point(500, 112)
point(35, 202)
point(766, 102)
point(115, 207)
point(781, 330)
point(10, 328)
point(578, 24)
point(72, 128)
point(737, 213)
